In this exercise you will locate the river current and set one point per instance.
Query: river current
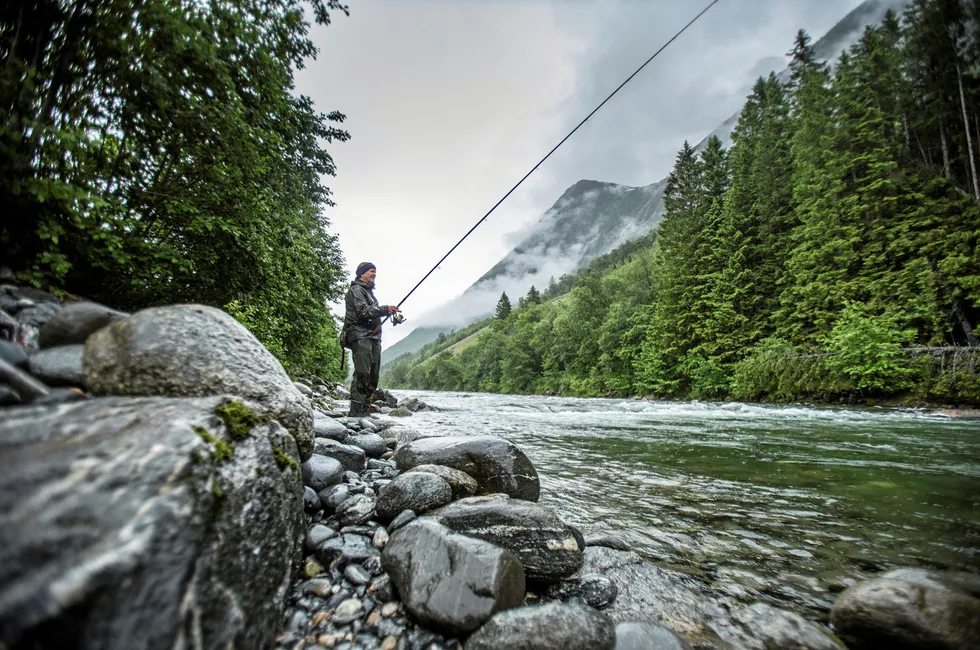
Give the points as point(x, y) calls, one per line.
point(785, 504)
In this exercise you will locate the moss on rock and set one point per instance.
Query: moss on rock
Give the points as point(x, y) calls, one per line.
point(239, 418)
point(222, 450)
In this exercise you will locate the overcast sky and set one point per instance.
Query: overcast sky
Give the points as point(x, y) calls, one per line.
point(451, 102)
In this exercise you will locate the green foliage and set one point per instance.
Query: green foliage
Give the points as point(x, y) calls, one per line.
point(830, 254)
point(867, 350)
point(157, 152)
point(503, 307)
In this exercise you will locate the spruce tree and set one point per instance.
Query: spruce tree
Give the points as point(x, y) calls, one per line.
point(503, 307)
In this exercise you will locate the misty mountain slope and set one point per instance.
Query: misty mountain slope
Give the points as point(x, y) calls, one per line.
point(842, 35)
point(592, 218)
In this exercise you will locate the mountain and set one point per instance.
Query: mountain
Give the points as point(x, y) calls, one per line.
point(592, 218)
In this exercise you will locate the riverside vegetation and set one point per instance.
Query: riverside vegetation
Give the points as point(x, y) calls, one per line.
point(832, 253)
point(156, 152)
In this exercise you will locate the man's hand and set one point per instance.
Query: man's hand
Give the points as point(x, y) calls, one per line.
point(393, 308)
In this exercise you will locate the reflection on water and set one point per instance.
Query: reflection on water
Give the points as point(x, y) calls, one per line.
point(780, 503)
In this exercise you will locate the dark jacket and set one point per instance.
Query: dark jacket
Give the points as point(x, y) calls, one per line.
point(363, 314)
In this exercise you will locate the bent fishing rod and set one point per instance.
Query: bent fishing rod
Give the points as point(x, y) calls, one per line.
point(548, 155)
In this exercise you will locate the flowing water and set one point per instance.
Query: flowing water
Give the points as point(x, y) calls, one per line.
point(787, 504)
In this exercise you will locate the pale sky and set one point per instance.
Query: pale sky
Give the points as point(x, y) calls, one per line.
point(451, 102)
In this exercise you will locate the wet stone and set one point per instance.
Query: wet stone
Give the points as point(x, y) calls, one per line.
point(344, 549)
point(334, 495)
point(355, 510)
point(367, 531)
point(311, 502)
point(402, 519)
point(317, 535)
point(373, 565)
point(380, 538)
point(647, 636)
point(357, 575)
point(318, 587)
point(348, 611)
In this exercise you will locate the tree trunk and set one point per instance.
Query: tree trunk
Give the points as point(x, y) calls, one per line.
point(908, 134)
point(969, 138)
point(971, 338)
point(942, 138)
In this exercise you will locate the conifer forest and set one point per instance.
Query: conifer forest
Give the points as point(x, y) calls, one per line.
point(831, 253)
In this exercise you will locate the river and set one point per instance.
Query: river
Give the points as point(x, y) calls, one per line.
point(786, 504)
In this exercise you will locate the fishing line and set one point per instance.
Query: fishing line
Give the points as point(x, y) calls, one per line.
point(555, 148)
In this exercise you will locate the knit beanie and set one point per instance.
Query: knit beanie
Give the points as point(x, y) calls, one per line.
point(363, 268)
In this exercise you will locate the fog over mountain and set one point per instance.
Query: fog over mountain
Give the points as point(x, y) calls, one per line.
point(592, 218)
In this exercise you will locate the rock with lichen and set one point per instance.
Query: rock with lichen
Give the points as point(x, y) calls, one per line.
point(146, 522)
point(194, 350)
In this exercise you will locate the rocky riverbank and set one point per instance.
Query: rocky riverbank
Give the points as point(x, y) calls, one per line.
point(164, 484)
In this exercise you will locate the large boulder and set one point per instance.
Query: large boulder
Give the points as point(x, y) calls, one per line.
point(451, 582)
point(555, 626)
point(194, 350)
point(74, 323)
point(142, 523)
point(497, 464)
point(419, 492)
point(547, 548)
point(903, 615)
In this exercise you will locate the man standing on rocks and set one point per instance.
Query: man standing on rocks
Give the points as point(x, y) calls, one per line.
point(362, 334)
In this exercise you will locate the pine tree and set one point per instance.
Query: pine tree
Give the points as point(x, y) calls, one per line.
point(503, 307)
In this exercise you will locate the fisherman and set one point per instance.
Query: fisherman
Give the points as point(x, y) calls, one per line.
point(362, 334)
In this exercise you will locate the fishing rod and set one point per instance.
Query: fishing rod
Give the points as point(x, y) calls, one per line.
point(548, 155)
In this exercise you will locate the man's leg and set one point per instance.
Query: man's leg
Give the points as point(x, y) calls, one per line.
point(360, 390)
point(375, 369)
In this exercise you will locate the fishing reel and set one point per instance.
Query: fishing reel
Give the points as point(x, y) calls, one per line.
point(397, 318)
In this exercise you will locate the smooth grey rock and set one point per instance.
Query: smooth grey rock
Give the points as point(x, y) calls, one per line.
point(380, 538)
point(372, 444)
point(317, 535)
point(357, 575)
point(320, 472)
point(497, 464)
point(61, 366)
point(448, 581)
point(30, 317)
point(14, 354)
point(400, 412)
point(414, 404)
point(334, 495)
point(765, 627)
point(384, 395)
point(352, 458)
point(192, 350)
point(402, 519)
point(647, 636)
point(355, 510)
point(463, 484)
point(311, 502)
point(401, 434)
point(902, 615)
point(368, 424)
point(348, 611)
point(554, 626)
point(303, 388)
point(327, 427)
point(545, 545)
point(341, 551)
point(75, 322)
point(118, 515)
point(420, 492)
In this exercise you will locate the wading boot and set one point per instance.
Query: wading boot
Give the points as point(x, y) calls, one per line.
point(356, 409)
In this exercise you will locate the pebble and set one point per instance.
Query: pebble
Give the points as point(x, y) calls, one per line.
point(348, 611)
point(389, 609)
point(380, 538)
